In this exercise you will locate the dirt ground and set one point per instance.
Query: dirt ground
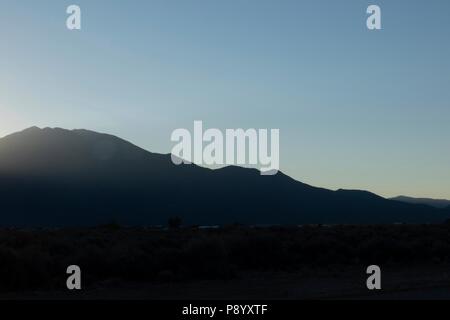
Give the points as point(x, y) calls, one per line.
point(425, 282)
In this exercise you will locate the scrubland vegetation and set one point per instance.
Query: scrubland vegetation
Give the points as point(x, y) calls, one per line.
point(37, 259)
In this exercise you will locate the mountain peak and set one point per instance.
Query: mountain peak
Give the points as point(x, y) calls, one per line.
point(35, 130)
point(57, 151)
point(32, 129)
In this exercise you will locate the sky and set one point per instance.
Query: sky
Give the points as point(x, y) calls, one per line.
point(356, 109)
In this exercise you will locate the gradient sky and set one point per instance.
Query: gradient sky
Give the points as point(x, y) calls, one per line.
point(356, 109)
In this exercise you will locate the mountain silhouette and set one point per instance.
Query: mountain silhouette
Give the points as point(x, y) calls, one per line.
point(57, 177)
point(437, 203)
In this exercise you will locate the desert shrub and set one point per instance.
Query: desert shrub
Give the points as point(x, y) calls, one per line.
point(206, 258)
point(37, 259)
point(256, 251)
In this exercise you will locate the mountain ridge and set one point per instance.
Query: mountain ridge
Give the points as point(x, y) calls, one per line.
point(59, 177)
point(437, 203)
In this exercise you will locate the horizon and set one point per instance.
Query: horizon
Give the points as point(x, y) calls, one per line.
point(356, 109)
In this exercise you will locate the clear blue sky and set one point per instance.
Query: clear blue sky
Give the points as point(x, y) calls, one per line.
point(355, 108)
